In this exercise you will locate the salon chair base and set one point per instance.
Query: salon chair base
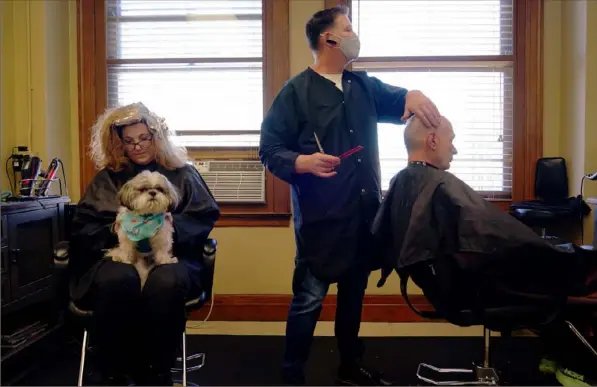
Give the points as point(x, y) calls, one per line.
point(484, 376)
point(184, 360)
point(488, 376)
point(477, 376)
point(198, 358)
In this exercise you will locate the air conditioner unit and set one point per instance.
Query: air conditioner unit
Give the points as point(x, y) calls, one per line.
point(234, 181)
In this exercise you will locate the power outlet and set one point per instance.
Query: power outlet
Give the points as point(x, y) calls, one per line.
point(17, 163)
point(19, 156)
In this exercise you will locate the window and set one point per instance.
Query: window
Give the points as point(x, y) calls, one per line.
point(210, 67)
point(460, 54)
point(197, 63)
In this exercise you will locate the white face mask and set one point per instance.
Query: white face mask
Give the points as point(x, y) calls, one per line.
point(350, 47)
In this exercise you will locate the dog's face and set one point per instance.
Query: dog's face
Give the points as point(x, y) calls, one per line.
point(148, 193)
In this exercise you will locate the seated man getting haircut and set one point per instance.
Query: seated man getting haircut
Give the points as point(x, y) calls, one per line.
point(468, 255)
point(428, 213)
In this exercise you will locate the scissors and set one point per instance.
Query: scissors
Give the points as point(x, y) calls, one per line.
point(343, 155)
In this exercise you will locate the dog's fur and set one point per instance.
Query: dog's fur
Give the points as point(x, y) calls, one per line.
point(147, 193)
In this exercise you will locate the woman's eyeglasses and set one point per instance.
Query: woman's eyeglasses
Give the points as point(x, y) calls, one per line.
point(143, 143)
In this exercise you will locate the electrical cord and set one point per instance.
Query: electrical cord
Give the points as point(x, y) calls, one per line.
point(582, 223)
point(211, 307)
point(64, 176)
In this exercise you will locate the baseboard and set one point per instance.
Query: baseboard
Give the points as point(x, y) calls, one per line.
point(274, 307)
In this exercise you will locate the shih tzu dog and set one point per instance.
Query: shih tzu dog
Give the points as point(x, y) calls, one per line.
point(144, 223)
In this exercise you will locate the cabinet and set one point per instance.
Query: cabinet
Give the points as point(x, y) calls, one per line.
point(30, 230)
point(5, 285)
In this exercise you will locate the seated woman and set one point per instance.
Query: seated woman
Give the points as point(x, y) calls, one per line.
point(137, 332)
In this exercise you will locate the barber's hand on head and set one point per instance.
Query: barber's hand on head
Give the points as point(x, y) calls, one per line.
point(319, 164)
point(422, 107)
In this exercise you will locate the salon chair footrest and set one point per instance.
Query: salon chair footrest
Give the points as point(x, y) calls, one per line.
point(179, 383)
point(197, 359)
point(479, 376)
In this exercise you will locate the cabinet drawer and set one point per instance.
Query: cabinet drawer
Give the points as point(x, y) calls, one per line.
point(31, 264)
point(5, 263)
point(3, 233)
point(5, 289)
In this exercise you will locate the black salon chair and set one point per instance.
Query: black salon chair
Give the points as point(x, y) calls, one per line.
point(209, 255)
point(503, 319)
point(552, 205)
point(515, 311)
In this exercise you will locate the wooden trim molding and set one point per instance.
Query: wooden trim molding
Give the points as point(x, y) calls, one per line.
point(527, 61)
point(92, 77)
point(87, 71)
point(333, 3)
point(274, 307)
point(528, 95)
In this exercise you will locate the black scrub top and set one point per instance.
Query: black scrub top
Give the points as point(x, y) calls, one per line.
point(331, 215)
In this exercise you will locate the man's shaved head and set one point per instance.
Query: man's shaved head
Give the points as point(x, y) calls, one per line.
point(416, 132)
point(432, 145)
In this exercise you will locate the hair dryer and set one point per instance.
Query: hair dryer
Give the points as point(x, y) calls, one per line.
point(29, 173)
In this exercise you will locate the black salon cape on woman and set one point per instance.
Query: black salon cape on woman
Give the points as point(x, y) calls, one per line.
point(194, 218)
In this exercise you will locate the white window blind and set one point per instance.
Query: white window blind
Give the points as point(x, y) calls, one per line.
point(197, 63)
point(459, 53)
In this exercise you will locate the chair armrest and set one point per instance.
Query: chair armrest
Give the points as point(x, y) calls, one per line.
point(81, 313)
point(61, 253)
point(210, 247)
point(195, 304)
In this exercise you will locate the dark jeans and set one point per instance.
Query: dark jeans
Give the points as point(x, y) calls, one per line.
point(133, 329)
point(306, 305)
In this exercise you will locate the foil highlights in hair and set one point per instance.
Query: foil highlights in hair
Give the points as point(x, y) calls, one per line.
point(137, 113)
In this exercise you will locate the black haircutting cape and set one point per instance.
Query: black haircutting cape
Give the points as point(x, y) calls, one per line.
point(429, 212)
point(194, 219)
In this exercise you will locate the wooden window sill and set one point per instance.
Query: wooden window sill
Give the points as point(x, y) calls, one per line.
point(270, 219)
point(263, 219)
point(503, 204)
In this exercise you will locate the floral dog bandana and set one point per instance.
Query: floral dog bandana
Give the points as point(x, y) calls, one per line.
point(139, 228)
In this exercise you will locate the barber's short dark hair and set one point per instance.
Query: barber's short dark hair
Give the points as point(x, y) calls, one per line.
point(321, 21)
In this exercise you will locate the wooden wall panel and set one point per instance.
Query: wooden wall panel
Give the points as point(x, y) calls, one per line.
point(274, 307)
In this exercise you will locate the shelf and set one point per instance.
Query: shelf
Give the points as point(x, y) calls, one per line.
point(8, 353)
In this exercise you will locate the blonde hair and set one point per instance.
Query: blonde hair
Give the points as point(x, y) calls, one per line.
point(106, 147)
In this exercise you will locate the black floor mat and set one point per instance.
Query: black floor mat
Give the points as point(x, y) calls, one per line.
point(255, 360)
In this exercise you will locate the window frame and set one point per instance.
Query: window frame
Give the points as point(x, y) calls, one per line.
point(527, 76)
point(93, 97)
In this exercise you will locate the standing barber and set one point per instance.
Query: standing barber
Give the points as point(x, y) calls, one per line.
point(319, 114)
